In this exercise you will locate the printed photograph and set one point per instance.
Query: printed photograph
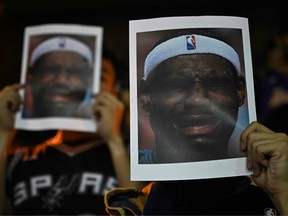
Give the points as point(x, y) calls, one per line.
point(193, 94)
point(60, 70)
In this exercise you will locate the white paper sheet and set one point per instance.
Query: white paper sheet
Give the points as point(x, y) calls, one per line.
point(142, 36)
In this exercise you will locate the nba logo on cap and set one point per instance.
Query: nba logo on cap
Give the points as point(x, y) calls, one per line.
point(62, 43)
point(190, 42)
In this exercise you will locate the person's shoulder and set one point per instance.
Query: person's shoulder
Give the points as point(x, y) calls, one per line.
point(254, 199)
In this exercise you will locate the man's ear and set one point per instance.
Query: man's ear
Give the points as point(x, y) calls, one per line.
point(145, 102)
point(241, 90)
point(145, 96)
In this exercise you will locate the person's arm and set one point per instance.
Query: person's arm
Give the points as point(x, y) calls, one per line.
point(109, 111)
point(267, 157)
point(9, 104)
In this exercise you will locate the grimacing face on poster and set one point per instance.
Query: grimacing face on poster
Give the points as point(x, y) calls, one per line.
point(192, 89)
point(61, 76)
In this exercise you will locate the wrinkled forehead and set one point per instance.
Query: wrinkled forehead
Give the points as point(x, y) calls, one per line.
point(63, 44)
point(62, 58)
point(189, 66)
point(189, 45)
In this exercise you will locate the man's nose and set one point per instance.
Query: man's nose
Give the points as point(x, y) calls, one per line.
point(197, 95)
point(62, 76)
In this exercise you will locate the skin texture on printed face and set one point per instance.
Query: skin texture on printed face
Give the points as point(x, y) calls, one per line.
point(59, 84)
point(193, 102)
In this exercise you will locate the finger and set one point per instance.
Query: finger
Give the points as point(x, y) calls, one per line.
point(11, 97)
point(14, 97)
point(265, 150)
point(257, 158)
point(18, 86)
point(106, 99)
point(253, 127)
point(254, 139)
point(245, 133)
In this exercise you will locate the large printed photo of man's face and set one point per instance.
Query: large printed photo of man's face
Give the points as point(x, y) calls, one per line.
point(192, 102)
point(191, 98)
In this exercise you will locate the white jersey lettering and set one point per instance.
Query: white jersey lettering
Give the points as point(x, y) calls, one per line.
point(90, 179)
point(111, 183)
point(40, 182)
point(20, 193)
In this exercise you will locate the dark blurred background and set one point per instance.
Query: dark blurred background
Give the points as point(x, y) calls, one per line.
point(114, 16)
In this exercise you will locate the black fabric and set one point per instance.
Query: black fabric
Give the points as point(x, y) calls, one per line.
point(63, 184)
point(223, 196)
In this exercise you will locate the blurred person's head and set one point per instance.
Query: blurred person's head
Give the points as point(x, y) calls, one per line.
point(192, 88)
point(109, 72)
point(109, 82)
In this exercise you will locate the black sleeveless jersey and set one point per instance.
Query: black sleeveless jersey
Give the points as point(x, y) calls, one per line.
point(57, 183)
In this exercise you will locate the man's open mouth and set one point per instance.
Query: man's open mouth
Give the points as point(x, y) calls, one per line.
point(62, 96)
point(195, 125)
